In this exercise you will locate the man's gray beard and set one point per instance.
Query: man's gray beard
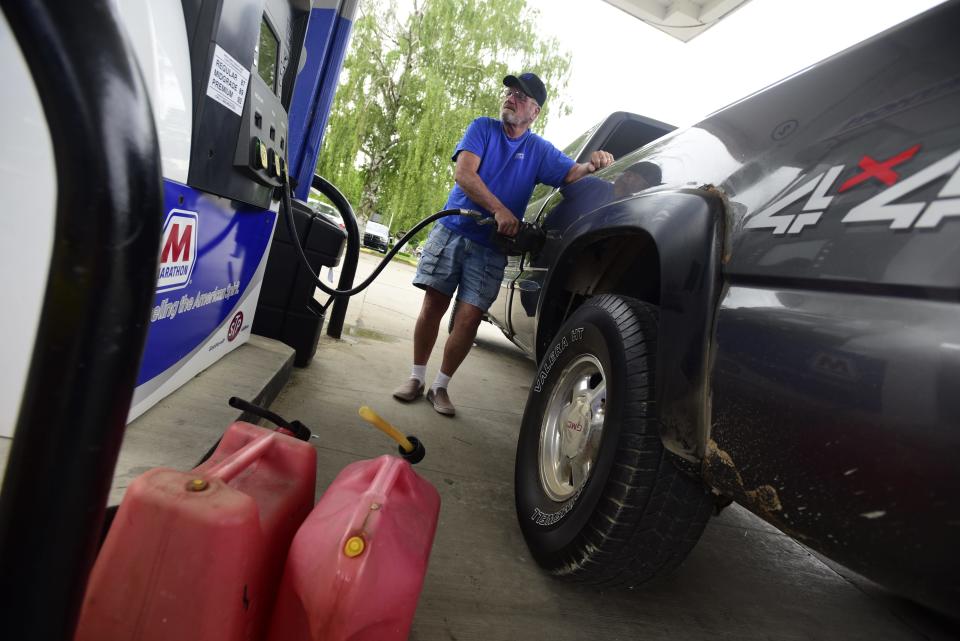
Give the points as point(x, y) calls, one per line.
point(511, 118)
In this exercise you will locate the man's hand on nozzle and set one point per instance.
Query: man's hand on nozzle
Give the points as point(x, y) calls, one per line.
point(599, 160)
point(507, 223)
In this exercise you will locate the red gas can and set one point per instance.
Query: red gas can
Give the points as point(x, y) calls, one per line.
point(198, 555)
point(357, 564)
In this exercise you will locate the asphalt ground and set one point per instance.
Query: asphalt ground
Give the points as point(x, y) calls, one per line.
point(744, 580)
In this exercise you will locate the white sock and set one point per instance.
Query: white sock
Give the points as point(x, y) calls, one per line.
point(419, 372)
point(442, 381)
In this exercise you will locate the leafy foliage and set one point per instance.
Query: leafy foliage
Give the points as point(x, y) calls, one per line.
point(415, 76)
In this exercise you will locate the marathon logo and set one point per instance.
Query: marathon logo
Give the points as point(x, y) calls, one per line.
point(178, 253)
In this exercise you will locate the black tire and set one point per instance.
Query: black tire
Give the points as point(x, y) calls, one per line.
point(635, 516)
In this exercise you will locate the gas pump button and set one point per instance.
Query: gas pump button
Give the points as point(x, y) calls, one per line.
point(259, 154)
point(273, 166)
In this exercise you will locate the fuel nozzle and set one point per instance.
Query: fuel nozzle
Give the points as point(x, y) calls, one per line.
point(410, 447)
point(529, 238)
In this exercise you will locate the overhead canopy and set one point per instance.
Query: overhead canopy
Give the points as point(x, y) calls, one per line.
point(682, 19)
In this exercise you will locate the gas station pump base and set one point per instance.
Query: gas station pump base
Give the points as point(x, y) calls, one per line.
point(287, 310)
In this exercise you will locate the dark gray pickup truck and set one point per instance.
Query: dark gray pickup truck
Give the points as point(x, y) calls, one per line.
point(763, 308)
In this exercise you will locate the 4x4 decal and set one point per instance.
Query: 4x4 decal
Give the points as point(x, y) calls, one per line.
point(880, 208)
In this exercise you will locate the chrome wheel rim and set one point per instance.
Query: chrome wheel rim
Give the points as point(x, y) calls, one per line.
point(572, 427)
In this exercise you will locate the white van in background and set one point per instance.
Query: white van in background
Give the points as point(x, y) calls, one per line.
point(376, 236)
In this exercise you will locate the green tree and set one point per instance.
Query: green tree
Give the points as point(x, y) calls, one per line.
point(414, 78)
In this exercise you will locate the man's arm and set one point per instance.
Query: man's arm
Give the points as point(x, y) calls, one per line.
point(470, 182)
point(598, 160)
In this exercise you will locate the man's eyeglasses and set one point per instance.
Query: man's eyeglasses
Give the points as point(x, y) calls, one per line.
point(518, 95)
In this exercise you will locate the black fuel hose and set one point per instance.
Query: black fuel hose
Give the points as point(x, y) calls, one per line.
point(292, 232)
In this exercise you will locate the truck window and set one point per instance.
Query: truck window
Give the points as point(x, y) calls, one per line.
point(629, 136)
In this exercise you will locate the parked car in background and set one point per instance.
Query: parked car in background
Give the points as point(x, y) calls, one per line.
point(762, 308)
point(376, 236)
point(329, 212)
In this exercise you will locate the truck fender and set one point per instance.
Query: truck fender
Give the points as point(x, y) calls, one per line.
point(686, 230)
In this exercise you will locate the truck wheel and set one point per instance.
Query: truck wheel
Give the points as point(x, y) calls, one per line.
point(597, 498)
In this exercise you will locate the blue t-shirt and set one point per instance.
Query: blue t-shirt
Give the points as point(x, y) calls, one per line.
point(510, 168)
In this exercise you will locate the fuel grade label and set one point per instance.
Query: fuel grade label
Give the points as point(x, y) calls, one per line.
point(228, 81)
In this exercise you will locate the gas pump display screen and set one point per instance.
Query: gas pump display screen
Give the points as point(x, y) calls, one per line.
point(267, 55)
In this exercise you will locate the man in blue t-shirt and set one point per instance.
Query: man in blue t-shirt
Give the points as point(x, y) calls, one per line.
point(498, 163)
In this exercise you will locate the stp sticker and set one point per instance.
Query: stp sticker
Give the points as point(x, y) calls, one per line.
point(235, 325)
point(178, 251)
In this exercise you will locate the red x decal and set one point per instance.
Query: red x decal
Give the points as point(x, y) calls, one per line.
point(882, 171)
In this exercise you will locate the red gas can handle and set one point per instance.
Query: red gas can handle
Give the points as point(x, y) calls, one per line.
point(240, 460)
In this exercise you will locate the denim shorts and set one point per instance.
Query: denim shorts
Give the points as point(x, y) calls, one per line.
point(451, 263)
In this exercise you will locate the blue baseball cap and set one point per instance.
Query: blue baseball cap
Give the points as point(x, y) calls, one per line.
point(530, 84)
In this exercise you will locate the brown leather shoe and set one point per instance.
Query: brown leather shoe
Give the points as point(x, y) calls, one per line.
point(411, 390)
point(441, 401)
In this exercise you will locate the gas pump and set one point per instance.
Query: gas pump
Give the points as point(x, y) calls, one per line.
point(221, 195)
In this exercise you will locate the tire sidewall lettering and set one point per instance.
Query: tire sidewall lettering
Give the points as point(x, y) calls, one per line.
point(574, 336)
point(551, 518)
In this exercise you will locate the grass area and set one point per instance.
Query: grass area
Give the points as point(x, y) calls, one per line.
point(402, 257)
